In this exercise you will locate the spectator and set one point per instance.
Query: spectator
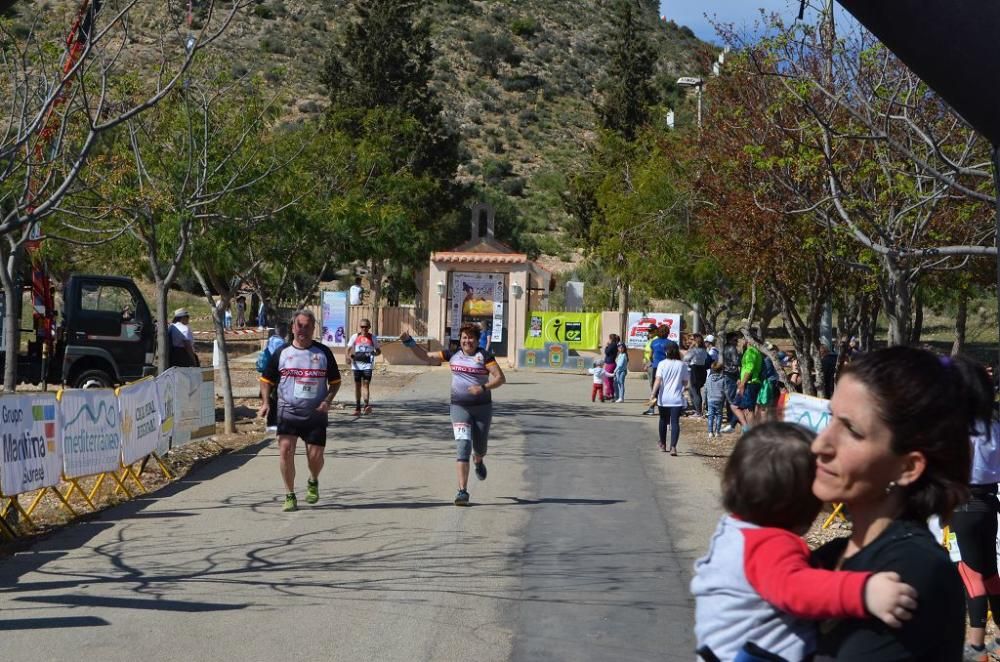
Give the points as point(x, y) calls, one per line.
point(181, 341)
point(610, 355)
point(897, 451)
point(621, 372)
point(731, 357)
point(697, 360)
point(356, 294)
point(751, 369)
point(648, 365)
point(241, 311)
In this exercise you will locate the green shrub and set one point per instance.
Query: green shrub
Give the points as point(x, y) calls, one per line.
point(496, 170)
point(524, 27)
point(522, 83)
point(513, 186)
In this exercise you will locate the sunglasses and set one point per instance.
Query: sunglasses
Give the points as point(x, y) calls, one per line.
point(365, 327)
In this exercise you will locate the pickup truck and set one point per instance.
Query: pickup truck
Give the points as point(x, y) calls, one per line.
point(104, 336)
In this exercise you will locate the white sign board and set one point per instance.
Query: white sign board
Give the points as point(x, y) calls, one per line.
point(194, 404)
point(807, 411)
point(30, 456)
point(166, 388)
point(90, 430)
point(639, 323)
point(140, 416)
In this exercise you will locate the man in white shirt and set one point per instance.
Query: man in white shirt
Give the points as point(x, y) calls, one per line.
point(356, 293)
point(181, 341)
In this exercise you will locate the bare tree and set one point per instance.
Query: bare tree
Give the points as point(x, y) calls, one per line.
point(61, 100)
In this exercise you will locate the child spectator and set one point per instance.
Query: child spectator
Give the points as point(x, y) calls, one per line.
point(755, 591)
point(599, 374)
point(715, 395)
point(621, 372)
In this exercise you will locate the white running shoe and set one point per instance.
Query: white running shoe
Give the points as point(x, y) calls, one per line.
point(726, 429)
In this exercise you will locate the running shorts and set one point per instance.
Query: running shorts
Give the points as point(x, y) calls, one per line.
point(312, 431)
point(471, 425)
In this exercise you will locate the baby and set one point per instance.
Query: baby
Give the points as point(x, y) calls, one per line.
point(756, 595)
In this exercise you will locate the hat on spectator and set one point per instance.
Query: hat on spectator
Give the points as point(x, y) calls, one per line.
point(710, 338)
point(180, 313)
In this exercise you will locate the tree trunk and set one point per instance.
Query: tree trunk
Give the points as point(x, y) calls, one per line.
point(162, 326)
point(894, 288)
point(918, 316)
point(623, 304)
point(961, 320)
point(12, 319)
point(219, 324)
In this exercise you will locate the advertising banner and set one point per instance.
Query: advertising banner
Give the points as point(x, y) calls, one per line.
point(90, 430)
point(30, 456)
point(194, 405)
point(140, 417)
point(477, 298)
point(334, 319)
point(807, 411)
point(575, 330)
point(166, 394)
point(639, 323)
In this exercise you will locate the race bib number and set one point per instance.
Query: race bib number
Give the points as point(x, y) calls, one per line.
point(306, 389)
point(463, 431)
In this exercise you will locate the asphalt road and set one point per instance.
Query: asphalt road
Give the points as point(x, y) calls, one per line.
point(578, 547)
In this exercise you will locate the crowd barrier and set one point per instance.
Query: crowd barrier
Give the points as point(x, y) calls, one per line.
point(51, 439)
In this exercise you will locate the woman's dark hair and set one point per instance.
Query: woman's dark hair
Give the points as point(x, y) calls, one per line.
point(673, 351)
point(281, 330)
point(769, 476)
point(931, 405)
point(473, 330)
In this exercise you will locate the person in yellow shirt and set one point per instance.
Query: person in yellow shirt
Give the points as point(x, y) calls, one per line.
point(647, 362)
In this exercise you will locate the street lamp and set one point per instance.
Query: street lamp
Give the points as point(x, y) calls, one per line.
point(516, 334)
point(440, 288)
point(697, 84)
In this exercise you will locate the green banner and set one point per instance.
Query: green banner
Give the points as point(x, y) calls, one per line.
point(578, 330)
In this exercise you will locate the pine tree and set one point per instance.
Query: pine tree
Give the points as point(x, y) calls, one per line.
point(385, 62)
point(629, 95)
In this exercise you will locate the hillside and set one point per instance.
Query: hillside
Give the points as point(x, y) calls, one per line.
point(518, 79)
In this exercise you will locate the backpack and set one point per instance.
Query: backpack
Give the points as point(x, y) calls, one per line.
point(263, 359)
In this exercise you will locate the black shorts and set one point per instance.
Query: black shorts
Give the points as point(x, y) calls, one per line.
point(363, 375)
point(312, 431)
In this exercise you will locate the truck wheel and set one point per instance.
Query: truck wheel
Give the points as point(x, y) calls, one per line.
point(93, 379)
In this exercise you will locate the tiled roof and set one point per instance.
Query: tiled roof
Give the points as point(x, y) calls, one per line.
point(479, 258)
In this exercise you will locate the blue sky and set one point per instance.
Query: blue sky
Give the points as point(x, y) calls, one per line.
point(742, 13)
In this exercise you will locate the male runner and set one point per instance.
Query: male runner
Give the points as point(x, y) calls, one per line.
point(307, 378)
point(362, 349)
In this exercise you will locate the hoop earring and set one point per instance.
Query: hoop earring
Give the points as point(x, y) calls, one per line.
point(890, 487)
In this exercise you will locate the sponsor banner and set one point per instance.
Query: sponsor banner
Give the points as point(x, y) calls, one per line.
point(639, 323)
point(166, 388)
point(194, 405)
point(575, 330)
point(474, 299)
point(140, 419)
point(335, 319)
point(90, 430)
point(807, 411)
point(30, 455)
